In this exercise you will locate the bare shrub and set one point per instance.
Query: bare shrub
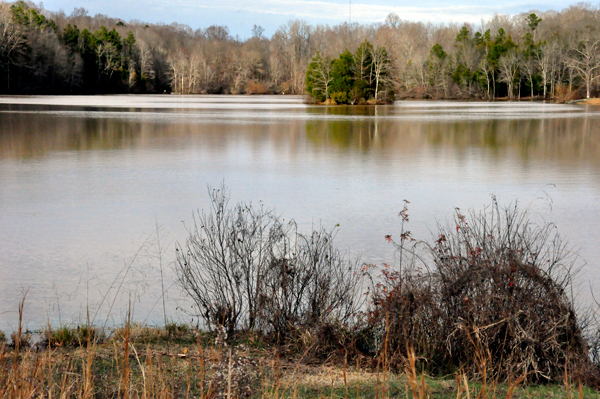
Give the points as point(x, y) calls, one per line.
point(310, 283)
point(247, 269)
point(255, 87)
point(564, 94)
point(492, 289)
point(24, 341)
point(225, 259)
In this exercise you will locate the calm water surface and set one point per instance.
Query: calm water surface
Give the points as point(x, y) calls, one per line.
point(84, 181)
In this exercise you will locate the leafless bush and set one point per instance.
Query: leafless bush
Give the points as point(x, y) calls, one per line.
point(255, 87)
point(225, 259)
point(310, 283)
point(247, 269)
point(493, 289)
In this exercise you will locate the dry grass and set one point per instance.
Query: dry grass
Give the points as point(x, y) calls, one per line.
point(590, 101)
point(122, 367)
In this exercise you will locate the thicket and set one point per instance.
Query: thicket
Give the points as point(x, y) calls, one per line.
point(490, 296)
point(246, 269)
point(553, 54)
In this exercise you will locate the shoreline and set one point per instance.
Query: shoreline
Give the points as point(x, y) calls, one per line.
point(306, 101)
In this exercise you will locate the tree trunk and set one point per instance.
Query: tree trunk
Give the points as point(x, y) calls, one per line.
point(531, 81)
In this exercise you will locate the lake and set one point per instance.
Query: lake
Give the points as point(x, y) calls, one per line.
point(88, 183)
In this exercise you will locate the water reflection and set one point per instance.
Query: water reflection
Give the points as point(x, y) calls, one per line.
point(364, 129)
point(571, 140)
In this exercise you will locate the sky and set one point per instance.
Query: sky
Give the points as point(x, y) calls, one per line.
point(241, 15)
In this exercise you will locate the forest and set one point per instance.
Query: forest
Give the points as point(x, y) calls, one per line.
point(545, 55)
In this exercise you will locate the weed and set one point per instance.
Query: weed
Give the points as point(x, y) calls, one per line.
point(66, 336)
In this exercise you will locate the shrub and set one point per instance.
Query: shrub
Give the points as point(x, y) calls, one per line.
point(255, 87)
point(563, 94)
point(24, 342)
point(63, 336)
point(66, 336)
point(492, 289)
point(309, 284)
point(339, 97)
point(176, 329)
point(247, 269)
point(140, 333)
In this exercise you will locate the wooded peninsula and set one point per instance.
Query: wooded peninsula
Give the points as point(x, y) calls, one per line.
point(545, 55)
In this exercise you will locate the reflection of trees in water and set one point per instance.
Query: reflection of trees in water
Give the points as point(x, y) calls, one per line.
point(566, 138)
point(343, 134)
point(25, 135)
point(362, 129)
point(29, 135)
point(358, 127)
point(536, 138)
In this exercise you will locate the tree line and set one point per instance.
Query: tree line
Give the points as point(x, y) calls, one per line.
point(553, 54)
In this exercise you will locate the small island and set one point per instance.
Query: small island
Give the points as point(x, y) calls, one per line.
point(357, 79)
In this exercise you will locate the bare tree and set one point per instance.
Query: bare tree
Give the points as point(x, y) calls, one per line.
point(381, 65)
point(546, 61)
point(320, 75)
point(509, 70)
point(108, 56)
point(488, 72)
point(146, 62)
point(586, 60)
point(528, 65)
point(11, 40)
point(188, 72)
point(293, 42)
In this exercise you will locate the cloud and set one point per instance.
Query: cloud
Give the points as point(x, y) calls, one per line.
point(361, 12)
point(240, 15)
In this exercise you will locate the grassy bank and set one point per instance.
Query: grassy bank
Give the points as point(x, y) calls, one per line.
point(144, 362)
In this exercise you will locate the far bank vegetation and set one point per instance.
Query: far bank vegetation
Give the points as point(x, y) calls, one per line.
point(543, 55)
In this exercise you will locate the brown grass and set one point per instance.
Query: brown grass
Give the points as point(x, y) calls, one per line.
point(124, 368)
point(590, 101)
